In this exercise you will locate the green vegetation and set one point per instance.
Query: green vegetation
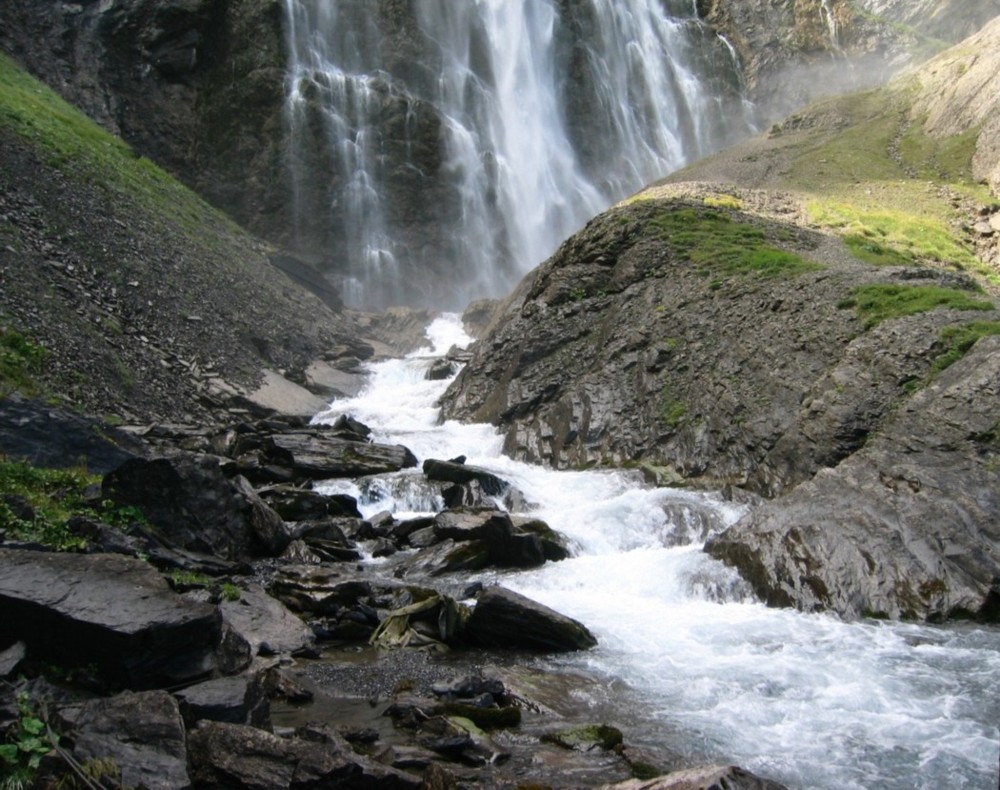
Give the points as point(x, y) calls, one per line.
point(69, 141)
point(714, 242)
point(26, 744)
point(724, 201)
point(881, 302)
point(19, 359)
point(54, 496)
point(958, 340)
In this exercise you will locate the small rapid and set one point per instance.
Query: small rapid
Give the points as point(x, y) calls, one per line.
point(697, 663)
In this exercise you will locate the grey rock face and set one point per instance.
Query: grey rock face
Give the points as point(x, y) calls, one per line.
point(112, 611)
point(907, 527)
point(141, 732)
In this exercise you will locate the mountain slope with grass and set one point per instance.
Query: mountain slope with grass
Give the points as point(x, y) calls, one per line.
point(123, 293)
point(810, 317)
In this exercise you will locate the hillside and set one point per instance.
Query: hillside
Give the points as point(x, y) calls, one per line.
point(810, 317)
point(123, 293)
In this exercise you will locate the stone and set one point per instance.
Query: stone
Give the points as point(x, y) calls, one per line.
point(450, 472)
point(266, 623)
point(508, 620)
point(11, 658)
point(142, 733)
point(114, 612)
point(237, 700)
point(316, 456)
point(192, 505)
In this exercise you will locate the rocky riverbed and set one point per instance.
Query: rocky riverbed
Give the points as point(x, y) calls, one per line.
point(237, 636)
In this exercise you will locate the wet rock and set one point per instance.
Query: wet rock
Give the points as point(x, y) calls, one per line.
point(115, 612)
point(237, 700)
point(505, 619)
point(701, 778)
point(583, 739)
point(194, 506)
point(450, 472)
point(142, 733)
point(314, 455)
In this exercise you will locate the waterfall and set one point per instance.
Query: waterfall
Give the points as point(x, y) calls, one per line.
point(440, 150)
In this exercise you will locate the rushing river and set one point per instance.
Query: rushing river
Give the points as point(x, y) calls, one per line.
point(808, 700)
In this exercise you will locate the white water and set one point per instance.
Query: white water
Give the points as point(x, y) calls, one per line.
point(804, 699)
point(549, 113)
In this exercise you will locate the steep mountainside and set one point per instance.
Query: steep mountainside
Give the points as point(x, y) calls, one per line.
point(146, 302)
point(807, 316)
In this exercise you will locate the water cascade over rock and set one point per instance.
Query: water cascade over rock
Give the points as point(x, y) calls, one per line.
point(438, 151)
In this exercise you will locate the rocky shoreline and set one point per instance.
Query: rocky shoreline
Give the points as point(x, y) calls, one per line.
point(155, 657)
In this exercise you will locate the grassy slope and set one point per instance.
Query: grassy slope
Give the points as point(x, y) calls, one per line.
point(863, 167)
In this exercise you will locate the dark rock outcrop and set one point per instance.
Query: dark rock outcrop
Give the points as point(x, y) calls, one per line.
point(194, 506)
point(141, 733)
point(114, 612)
point(907, 527)
point(508, 620)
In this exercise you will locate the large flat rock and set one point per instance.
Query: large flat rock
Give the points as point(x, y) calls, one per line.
point(111, 611)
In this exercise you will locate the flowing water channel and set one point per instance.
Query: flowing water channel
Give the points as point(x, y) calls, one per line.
point(808, 700)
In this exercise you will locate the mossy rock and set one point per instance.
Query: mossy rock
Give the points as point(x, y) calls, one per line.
point(586, 738)
point(483, 718)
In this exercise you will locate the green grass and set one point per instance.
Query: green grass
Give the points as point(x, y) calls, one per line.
point(20, 359)
point(714, 242)
point(69, 141)
point(55, 496)
point(958, 340)
point(882, 302)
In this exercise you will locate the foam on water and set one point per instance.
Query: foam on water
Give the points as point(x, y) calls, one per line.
point(806, 699)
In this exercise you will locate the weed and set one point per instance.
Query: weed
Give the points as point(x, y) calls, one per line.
point(881, 302)
point(20, 358)
point(54, 497)
point(957, 341)
point(713, 242)
point(26, 745)
point(724, 201)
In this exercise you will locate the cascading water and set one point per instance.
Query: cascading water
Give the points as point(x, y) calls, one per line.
point(808, 700)
point(439, 150)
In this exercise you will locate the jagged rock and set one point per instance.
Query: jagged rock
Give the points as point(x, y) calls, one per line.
point(236, 700)
point(48, 437)
point(234, 756)
point(115, 612)
point(450, 472)
point(711, 777)
point(508, 620)
point(293, 503)
point(907, 527)
point(314, 455)
point(265, 623)
point(192, 505)
point(143, 734)
point(583, 739)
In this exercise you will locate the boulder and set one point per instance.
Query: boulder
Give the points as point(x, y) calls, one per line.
point(114, 612)
point(48, 437)
point(265, 623)
point(505, 619)
point(194, 506)
point(142, 733)
point(235, 756)
point(451, 472)
point(907, 527)
point(312, 454)
point(237, 700)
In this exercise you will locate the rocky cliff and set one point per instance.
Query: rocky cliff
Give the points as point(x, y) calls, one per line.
point(807, 316)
